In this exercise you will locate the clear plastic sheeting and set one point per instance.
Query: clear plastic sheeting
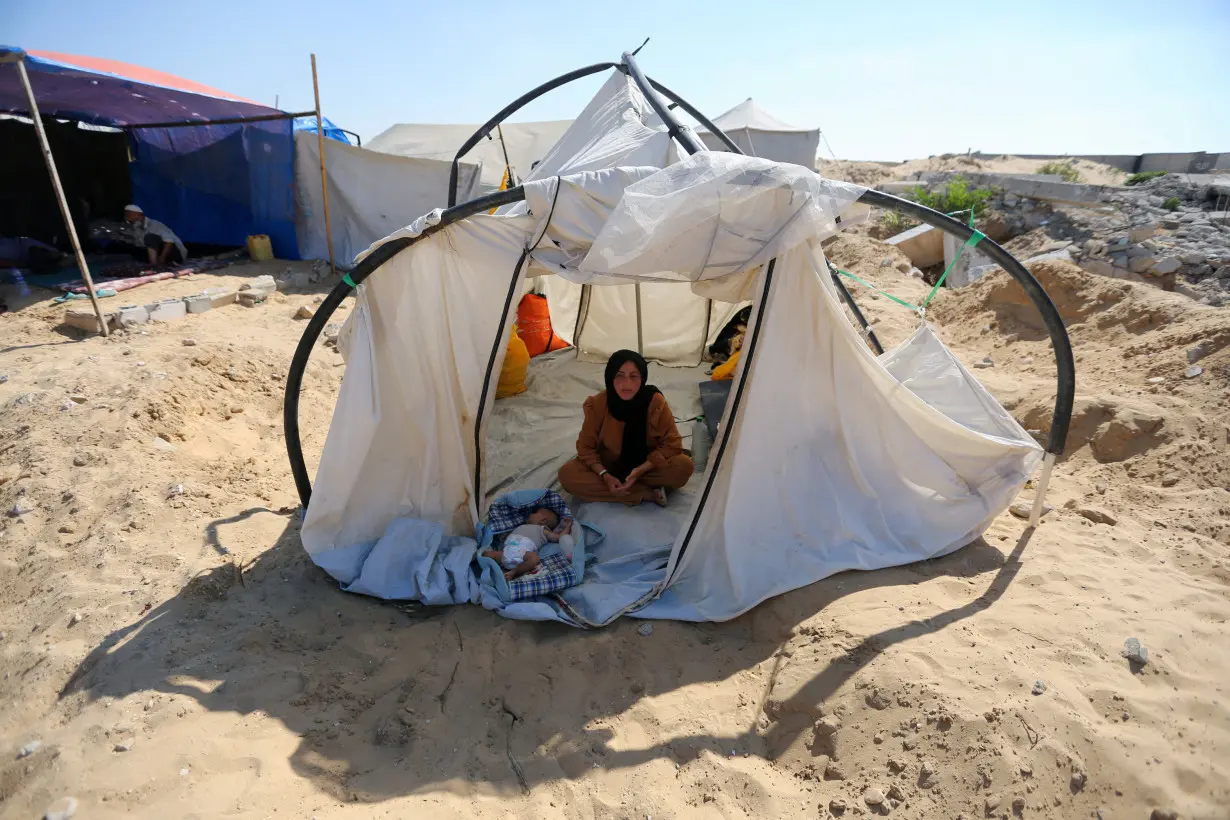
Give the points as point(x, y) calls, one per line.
point(727, 214)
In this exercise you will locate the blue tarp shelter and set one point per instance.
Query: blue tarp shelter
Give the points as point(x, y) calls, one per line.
point(214, 167)
point(332, 130)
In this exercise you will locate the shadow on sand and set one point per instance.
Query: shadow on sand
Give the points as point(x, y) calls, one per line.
point(388, 703)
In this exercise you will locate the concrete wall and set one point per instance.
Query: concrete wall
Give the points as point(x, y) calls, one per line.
point(1190, 162)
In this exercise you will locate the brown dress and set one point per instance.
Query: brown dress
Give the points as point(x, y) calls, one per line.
point(601, 441)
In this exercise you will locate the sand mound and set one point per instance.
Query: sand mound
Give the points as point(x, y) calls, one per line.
point(1152, 372)
point(242, 682)
point(873, 173)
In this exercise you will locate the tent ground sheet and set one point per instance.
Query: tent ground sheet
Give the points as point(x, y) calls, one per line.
point(529, 436)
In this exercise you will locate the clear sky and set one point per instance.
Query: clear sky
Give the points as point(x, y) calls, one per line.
point(883, 80)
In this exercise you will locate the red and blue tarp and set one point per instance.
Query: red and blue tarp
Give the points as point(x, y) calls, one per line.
point(211, 183)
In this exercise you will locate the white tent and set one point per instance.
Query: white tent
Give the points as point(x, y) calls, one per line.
point(526, 143)
point(828, 457)
point(761, 134)
point(370, 194)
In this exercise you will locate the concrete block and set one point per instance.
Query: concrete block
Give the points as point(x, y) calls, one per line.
point(1140, 264)
point(959, 275)
point(1168, 265)
point(252, 298)
point(1139, 233)
point(167, 310)
point(923, 245)
point(84, 319)
point(1098, 266)
point(296, 280)
point(263, 282)
point(220, 297)
point(1060, 255)
point(197, 303)
point(131, 315)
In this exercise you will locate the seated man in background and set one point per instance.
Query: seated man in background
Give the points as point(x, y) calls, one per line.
point(160, 242)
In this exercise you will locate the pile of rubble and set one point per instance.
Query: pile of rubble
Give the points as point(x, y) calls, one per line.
point(1185, 249)
point(1125, 233)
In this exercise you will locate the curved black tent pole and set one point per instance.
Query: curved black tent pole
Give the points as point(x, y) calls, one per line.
point(508, 110)
point(696, 115)
point(686, 136)
point(1050, 316)
point(528, 97)
point(692, 144)
point(1066, 369)
point(303, 352)
point(1037, 294)
point(848, 298)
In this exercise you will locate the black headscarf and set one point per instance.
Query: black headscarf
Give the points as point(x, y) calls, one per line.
point(634, 412)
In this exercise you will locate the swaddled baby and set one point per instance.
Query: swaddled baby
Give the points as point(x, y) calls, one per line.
point(521, 546)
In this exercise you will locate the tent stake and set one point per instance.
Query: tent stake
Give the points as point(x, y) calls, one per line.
point(1035, 515)
point(324, 176)
point(55, 182)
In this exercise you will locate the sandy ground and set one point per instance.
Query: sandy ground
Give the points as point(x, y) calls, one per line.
point(873, 173)
point(214, 672)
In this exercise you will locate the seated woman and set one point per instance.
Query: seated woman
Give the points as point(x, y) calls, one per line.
point(629, 449)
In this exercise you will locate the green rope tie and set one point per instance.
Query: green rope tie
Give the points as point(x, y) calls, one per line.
point(977, 237)
point(346, 278)
point(886, 294)
point(974, 239)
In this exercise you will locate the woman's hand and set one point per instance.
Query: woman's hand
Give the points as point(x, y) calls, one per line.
point(634, 477)
point(614, 484)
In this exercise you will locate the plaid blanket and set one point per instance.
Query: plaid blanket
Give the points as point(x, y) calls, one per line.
point(503, 517)
point(553, 574)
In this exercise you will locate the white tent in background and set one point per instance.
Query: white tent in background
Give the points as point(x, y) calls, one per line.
point(526, 143)
point(828, 457)
point(761, 134)
point(370, 194)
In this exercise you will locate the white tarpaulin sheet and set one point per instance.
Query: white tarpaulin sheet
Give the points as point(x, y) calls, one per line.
point(828, 458)
point(370, 195)
point(760, 134)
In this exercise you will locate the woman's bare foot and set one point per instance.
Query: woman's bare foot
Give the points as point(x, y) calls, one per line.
point(658, 496)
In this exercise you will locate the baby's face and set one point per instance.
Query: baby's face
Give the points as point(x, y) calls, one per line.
point(543, 517)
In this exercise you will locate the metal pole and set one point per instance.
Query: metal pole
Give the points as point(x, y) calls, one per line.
point(1035, 514)
point(512, 180)
point(506, 111)
point(676, 129)
point(640, 337)
point(324, 176)
point(1062, 346)
point(55, 182)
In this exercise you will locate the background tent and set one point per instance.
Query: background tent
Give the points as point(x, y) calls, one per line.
point(526, 143)
point(213, 166)
point(370, 194)
point(761, 134)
